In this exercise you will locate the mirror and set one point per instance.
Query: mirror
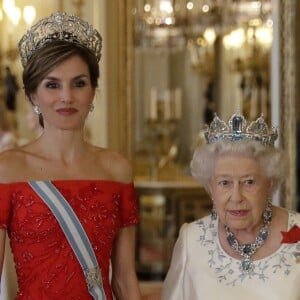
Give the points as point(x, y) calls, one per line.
point(191, 59)
point(281, 90)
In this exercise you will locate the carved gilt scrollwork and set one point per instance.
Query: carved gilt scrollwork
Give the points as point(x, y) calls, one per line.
point(287, 29)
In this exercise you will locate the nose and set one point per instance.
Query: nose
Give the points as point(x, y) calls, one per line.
point(236, 195)
point(66, 95)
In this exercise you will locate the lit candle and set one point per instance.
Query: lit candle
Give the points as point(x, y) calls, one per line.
point(167, 105)
point(153, 104)
point(193, 54)
point(264, 102)
point(253, 103)
point(239, 96)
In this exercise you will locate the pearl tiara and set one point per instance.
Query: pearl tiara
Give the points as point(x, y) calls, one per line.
point(63, 27)
point(237, 130)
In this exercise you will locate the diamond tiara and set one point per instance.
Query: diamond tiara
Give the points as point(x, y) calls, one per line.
point(237, 130)
point(59, 26)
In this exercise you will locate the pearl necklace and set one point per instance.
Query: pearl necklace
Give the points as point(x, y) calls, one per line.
point(247, 250)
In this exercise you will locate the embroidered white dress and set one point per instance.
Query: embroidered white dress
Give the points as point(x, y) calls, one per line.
point(201, 269)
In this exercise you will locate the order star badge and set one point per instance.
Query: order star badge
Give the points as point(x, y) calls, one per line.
point(292, 237)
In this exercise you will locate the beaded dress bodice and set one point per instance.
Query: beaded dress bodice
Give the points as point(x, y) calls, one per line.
point(45, 263)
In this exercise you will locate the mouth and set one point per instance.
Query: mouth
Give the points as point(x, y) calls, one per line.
point(66, 111)
point(238, 212)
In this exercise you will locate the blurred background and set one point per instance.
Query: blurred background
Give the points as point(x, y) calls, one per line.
point(167, 67)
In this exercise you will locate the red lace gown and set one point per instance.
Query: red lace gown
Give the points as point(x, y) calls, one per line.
point(45, 263)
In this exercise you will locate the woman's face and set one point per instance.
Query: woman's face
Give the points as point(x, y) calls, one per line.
point(240, 191)
point(65, 95)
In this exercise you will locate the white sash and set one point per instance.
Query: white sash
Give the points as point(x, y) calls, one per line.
point(74, 233)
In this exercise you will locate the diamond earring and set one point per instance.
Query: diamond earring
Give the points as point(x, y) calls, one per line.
point(92, 107)
point(213, 213)
point(268, 212)
point(36, 109)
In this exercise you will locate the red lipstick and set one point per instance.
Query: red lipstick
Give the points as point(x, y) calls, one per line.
point(67, 111)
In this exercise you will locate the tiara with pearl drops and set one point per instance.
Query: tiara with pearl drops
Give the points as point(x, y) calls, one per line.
point(63, 27)
point(237, 130)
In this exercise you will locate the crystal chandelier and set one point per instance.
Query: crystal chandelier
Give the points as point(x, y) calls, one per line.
point(179, 23)
point(172, 22)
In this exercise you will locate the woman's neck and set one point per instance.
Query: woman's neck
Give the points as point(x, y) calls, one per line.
point(243, 236)
point(63, 147)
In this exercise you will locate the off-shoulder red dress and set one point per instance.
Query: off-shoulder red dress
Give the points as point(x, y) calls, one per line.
point(46, 266)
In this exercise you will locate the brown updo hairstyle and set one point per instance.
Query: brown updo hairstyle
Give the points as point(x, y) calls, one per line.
point(45, 59)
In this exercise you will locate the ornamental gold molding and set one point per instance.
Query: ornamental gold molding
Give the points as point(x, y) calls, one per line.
point(287, 29)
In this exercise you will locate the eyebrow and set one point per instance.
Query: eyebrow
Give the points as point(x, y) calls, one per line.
point(55, 78)
point(228, 175)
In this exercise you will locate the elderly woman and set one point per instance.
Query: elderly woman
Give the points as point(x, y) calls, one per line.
point(247, 248)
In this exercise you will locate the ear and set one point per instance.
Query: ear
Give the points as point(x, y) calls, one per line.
point(32, 99)
point(208, 188)
point(271, 188)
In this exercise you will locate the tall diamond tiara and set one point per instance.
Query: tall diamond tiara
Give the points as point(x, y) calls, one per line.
point(59, 26)
point(237, 130)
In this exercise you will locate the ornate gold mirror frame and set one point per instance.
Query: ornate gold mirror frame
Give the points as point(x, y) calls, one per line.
point(120, 79)
point(119, 57)
point(288, 66)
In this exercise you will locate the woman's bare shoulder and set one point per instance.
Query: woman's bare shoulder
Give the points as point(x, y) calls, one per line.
point(11, 156)
point(12, 164)
point(115, 164)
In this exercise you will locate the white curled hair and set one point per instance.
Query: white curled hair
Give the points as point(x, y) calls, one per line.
point(271, 159)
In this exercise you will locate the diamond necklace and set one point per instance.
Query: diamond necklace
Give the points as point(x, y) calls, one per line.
point(247, 250)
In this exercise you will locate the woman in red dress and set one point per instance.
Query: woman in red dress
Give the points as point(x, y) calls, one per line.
point(60, 56)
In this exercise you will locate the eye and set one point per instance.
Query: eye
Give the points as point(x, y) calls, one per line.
point(51, 85)
point(249, 182)
point(79, 83)
point(224, 182)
